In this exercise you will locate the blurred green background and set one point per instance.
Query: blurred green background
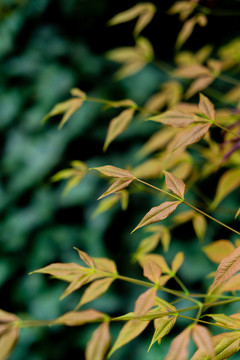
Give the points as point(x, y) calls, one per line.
point(48, 47)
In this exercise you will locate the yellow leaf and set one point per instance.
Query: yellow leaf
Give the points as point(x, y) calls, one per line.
point(199, 225)
point(113, 171)
point(8, 341)
point(106, 204)
point(185, 32)
point(218, 250)
point(77, 318)
point(104, 264)
point(232, 284)
point(165, 325)
point(237, 213)
point(96, 289)
point(74, 106)
point(158, 213)
point(175, 184)
point(191, 71)
point(227, 267)
point(228, 182)
point(206, 107)
point(179, 346)
point(188, 137)
point(159, 259)
point(177, 261)
point(118, 125)
point(117, 186)
point(86, 258)
point(99, 343)
point(61, 269)
point(203, 339)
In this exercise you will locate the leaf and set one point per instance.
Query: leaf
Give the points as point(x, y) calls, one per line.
point(185, 32)
point(152, 271)
point(129, 331)
point(77, 92)
point(191, 71)
point(199, 225)
point(203, 339)
point(237, 213)
point(206, 107)
point(99, 343)
point(96, 289)
point(58, 109)
point(179, 346)
point(218, 250)
point(164, 305)
point(159, 259)
point(144, 11)
point(118, 125)
point(117, 186)
point(85, 258)
point(174, 118)
point(227, 267)
point(61, 269)
point(106, 204)
point(158, 213)
point(77, 283)
point(75, 105)
point(8, 341)
point(227, 321)
point(177, 261)
point(174, 184)
point(165, 325)
point(77, 318)
point(233, 284)
point(113, 171)
point(147, 245)
point(228, 182)
point(188, 137)
point(104, 264)
point(144, 302)
point(225, 345)
point(198, 85)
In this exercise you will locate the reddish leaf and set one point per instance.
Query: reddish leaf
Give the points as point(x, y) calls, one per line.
point(86, 258)
point(99, 343)
point(96, 289)
point(145, 302)
point(118, 185)
point(206, 107)
point(77, 318)
point(179, 346)
point(113, 171)
point(158, 213)
point(227, 267)
point(165, 325)
point(174, 118)
point(8, 341)
point(59, 269)
point(203, 339)
point(175, 184)
point(152, 271)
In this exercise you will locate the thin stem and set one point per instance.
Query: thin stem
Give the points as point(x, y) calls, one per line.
point(226, 129)
point(158, 189)
point(202, 321)
point(176, 278)
point(210, 217)
point(34, 323)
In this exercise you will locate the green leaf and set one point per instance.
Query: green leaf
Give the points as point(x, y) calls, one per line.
point(165, 325)
point(227, 321)
point(158, 213)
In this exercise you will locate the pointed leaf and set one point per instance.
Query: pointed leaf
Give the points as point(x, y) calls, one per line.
point(159, 259)
point(233, 284)
point(75, 105)
point(117, 186)
point(113, 171)
point(228, 182)
point(191, 71)
point(104, 264)
point(96, 289)
point(164, 305)
point(203, 339)
point(99, 343)
point(127, 15)
point(58, 109)
point(118, 125)
point(185, 32)
point(199, 225)
point(218, 250)
point(77, 318)
point(8, 341)
point(158, 213)
point(188, 137)
point(77, 92)
point(165, 325)
point(174, 118)
point(144, 302)
point(177, 261)
point(179, 346)
point(237, 213)
point(227, 267)
point(86, 258)
point(222, 319)
point(152, 271)
point(61, 269)
point(225, 345)
point(144, 19)
point(198, 85)
point(106, 204)
point(206, 107)
point(77, 283)
point(174, 184)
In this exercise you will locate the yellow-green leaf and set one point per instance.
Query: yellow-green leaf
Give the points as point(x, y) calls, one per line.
point(76, 283)
point(174, 184)
point(188, 137)
point(159, 259)
point(86, 258)
point(203, 339)
point(165, 325)
point(179, 346)
point(199, 225)
point(228, 182)
point(158, 213)
point(206, 107)
point(118, 125)
point(218, 250)
point(224, 320)
point(77, 318)
point(174, 118)
point(99, 343)
point(177, 261)
point(96, 289)
point(191, 71)
point(185, 32)
point(106, 204)
point(227, 267)
point(117, 186)
point(233, 284)
point(237, 213)
point(8, 341)
point(113, 171)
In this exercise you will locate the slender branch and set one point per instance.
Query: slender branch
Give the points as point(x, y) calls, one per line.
point(180, 283)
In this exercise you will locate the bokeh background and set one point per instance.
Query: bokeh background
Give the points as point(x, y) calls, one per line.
point(48, 47)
